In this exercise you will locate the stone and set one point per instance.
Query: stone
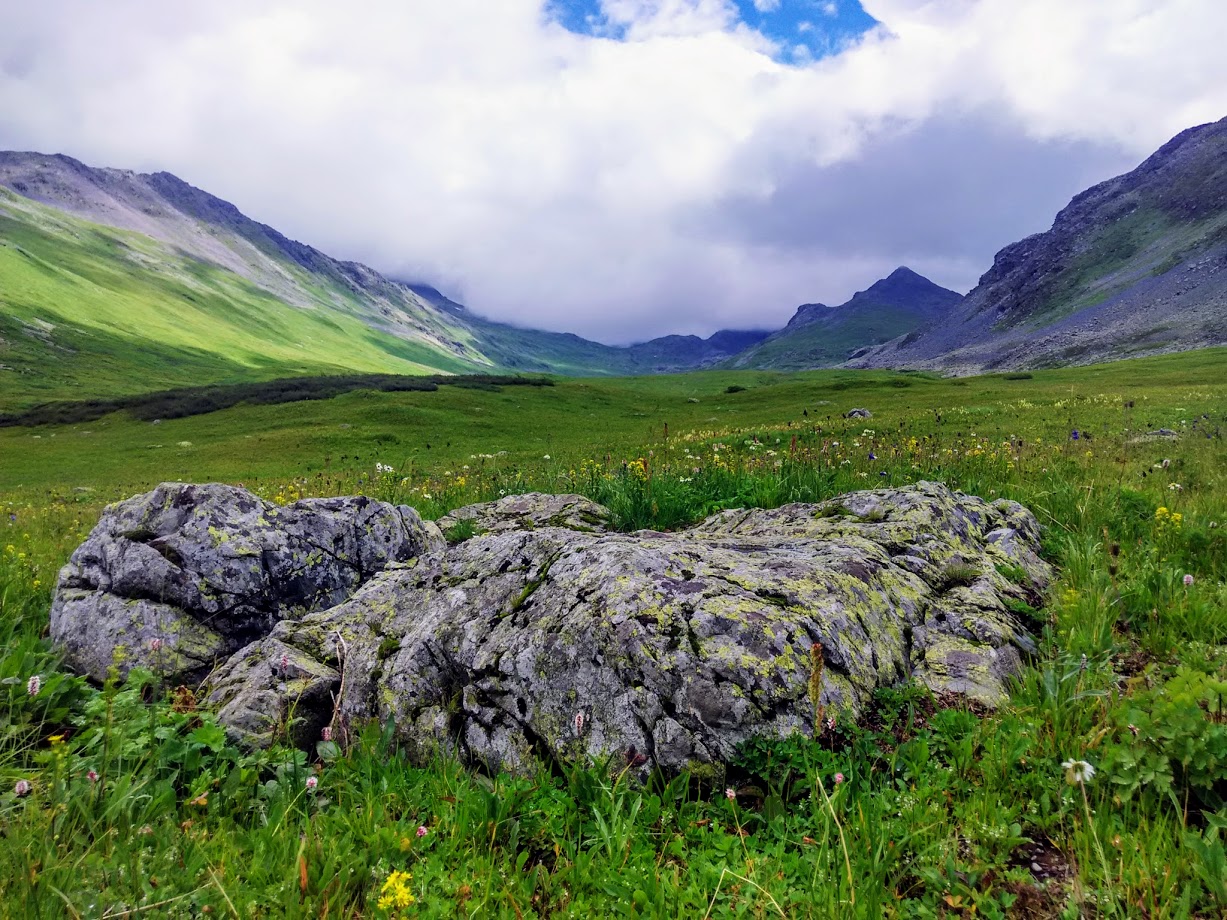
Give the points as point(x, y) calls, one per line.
point(661, 650)
point(184, 576)
point(858, 413)
point(530, 511)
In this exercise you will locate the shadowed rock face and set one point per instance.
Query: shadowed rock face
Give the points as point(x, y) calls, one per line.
point(537, 642)
point(185, 575)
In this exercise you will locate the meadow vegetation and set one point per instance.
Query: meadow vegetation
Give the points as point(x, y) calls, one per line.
point(1099, 790)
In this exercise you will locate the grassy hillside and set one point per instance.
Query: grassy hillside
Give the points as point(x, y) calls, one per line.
point(87, 310)
point(927, 808)
point(823, 344)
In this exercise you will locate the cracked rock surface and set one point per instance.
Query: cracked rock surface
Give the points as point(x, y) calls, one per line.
point(668, 650)
point(183, 576)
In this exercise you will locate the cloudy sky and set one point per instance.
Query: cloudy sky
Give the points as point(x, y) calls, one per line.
point(624, 168)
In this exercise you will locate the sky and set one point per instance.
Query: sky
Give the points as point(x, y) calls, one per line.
point(624, 168)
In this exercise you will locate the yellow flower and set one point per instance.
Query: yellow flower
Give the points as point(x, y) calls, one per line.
point(53, 740)
point(395, 892)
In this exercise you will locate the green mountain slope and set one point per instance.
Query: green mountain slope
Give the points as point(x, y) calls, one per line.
point(822, 336)
point(87, 309)
point(114, 282)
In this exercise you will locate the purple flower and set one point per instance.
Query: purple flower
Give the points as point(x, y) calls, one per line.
point(33, 685)
point(422, 830)
point(873, 456)
point(1073, 435)
point(1188, 581)
point(22, 788)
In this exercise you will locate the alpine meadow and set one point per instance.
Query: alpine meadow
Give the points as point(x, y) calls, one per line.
point(625, 588)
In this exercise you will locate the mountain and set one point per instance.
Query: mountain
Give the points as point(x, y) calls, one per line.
point(822, 336)
point(1133, 266)
point(114, 282)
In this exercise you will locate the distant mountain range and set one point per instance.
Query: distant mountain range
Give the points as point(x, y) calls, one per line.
point(821, 336)
point(1135, 265)
point(114, 282)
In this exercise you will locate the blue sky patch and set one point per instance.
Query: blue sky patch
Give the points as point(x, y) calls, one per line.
point(804, 29)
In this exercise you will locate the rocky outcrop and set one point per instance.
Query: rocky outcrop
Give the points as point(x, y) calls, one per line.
point(186, 575)
point(522, 645)
point(528, 512)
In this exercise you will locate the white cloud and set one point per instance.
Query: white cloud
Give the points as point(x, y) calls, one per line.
point(766, 6)
point(590, 184)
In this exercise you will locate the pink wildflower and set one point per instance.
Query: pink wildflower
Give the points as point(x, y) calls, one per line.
point(33, 685)
point(579, 723)
point(155, 644)
point(422, 830)
point(22, 787)
point(730, 794)
point(92, 776)
point(312, 782)
point(326, 734)
point(1188, 581)
point(839, 778)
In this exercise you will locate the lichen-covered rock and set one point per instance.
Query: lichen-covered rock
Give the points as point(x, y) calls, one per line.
point(858, 413)
point(663, 649)
point(185, 575)
point(528, 512)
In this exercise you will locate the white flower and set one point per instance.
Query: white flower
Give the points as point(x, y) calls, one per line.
point(546, 457)
point(1077, 771)
point(1175, 487)
point(312, 782)
point(33, 685)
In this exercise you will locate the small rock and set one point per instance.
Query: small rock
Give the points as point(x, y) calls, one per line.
point(858, 413)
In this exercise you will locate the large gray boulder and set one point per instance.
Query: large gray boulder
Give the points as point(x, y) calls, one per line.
point(181, 577)
point(521, 646)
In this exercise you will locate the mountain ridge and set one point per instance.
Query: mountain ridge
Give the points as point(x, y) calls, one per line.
point(1133, 265)
point(818, 335)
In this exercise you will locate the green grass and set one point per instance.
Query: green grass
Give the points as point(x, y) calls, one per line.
point(942, 810)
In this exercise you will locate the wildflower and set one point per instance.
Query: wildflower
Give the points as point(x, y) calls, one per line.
point(1133, 729)
point(1165, 464)
point(326, 734)
point(22, 788)
point(873, 456)
point(423, 830)
point(312, 782)
point(579, 723)
point(1188, 581)
point(839, 778)
point(1077, 771)
point(830, 723)
point(395, 892)
point(92, 776)
point(1074, 435)
point(33, 685)
point(730, 794)
point(546, 457)
point(1175, 487)
point(155, 644)
point(284, 662)
point(53, 740)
